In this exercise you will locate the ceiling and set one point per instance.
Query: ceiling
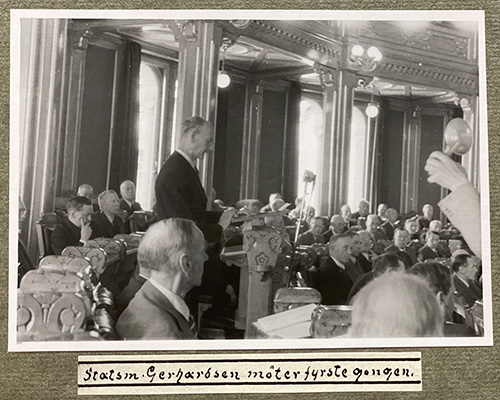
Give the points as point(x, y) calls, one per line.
point(247, 56)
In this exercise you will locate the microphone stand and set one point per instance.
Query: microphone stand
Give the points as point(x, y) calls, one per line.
point(309, 179)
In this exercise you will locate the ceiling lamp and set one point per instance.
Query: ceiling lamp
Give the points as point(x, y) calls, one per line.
point(223, 79)
point(368, 60)
point(372, 110)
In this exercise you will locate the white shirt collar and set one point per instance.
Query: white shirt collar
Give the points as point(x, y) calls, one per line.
point(464, 281)
point(128, 202)
point(188, 159)
point(176, 301)
point(341, 265)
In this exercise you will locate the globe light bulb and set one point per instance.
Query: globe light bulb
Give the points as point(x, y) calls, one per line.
point(223, 80)
point(374, 54)
point(371, 110)
point(357, 50)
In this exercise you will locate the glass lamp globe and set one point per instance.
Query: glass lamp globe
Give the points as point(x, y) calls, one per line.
point(371, 110)
point(223, 80)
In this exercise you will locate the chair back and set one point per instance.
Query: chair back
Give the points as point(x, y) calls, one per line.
point(44, 228)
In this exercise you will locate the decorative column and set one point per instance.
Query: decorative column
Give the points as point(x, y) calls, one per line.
point(410, 161)
point(337, 107)
point(43, 110)
point(250, 153)
point(199, 44)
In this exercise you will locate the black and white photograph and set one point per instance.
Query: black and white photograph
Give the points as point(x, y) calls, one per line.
point(199, 180)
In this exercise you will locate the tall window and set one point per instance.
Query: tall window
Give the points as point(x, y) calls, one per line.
point(310, 144)
point(150, 102)
point(357, 158)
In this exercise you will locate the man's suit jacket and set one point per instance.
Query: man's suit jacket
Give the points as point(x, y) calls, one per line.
point(179, 194)
point(101, 227)
point(366, 264)
point(333, 283)
point(388, 230)
point(471, 293)
point(65, 234)
point(426, 253)
point(151, 316)
point(408, 256)
point(130, 210)
point(128, 293)
point(353, 270)
point(307, 238)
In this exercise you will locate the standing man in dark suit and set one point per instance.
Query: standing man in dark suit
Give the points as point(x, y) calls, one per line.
point(179, 193)
point(108, 222)
point(174, 251)
point(331, 279)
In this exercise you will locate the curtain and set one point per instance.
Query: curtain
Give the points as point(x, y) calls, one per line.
point(126, 132)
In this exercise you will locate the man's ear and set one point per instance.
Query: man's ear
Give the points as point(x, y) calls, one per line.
point(185, 264)
point(441, 298)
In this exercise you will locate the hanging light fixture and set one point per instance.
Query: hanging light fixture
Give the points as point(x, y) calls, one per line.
point(223, 79)
point(372, 110)
point(367, 61)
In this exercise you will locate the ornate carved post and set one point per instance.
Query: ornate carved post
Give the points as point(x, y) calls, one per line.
point(199, 44)
point(262, 245)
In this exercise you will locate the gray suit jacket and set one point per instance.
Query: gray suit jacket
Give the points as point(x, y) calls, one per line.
point(151, 316)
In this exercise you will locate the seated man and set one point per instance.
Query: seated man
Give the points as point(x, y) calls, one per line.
point(359, 216)
point(400, 247)
point(424, 220)
point(386, 263)
point(353, 266)
point(396, 305)
point(108, 222)
point(465, 271)
point(127, 202)
point(412, 227)
point(87, 191)
point(337, 227)
point(346, 214)
point(75, 229)
point(332, 280)
point(272, 198)
point(366, 255)
point(314, 234)
point(430, 251)
point(129, 205)
point(377, 235)
point(174, 251)
point(382, 213)
point(389, 225)
point(439, 279)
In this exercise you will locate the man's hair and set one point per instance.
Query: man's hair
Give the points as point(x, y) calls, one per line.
point(164, 243)
point(400, 230)
point(84, 186)
point(437, 275)
point(459, 261)
point(192, 125)
point(102, 195)
point(318, 219)
point(386, 262)
point(410, 221)
point(429, 233)
point(76, 204)
point(427, 206)
point(335, 238)
point(350, 233)
point(396, 305)
point(125, 182)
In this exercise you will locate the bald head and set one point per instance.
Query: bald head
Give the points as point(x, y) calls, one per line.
point(337, 224)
